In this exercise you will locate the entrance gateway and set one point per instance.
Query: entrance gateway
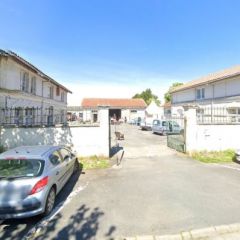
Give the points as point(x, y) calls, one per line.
point(115, 113)
point(176, 138)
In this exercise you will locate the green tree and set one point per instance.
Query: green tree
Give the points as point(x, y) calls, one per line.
point(148, 96)
point(167, 95)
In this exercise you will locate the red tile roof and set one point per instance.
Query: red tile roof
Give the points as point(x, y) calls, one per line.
point(113, 103)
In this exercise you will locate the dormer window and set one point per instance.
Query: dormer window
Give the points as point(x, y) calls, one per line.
point(200, 93)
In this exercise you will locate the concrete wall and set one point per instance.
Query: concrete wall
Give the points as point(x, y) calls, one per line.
point(209, 137)
point(85, 140)
point(218, 137)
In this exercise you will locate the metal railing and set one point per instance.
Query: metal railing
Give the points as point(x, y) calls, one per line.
point(218, 115)
point(21, 117)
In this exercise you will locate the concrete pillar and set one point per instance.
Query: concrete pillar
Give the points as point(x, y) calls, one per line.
point(190, 128)
point(103, 114)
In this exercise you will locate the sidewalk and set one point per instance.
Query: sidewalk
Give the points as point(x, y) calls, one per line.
point(224, 232)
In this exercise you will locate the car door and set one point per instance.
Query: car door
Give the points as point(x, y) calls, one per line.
point(58, 169)
point(68, 161)
point(155, 126)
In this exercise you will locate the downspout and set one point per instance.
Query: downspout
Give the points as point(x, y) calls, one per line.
point(42, 103)
point(212, 103)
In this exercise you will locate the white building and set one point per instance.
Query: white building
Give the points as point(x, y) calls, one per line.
point(154, 111)
point(27, 95)
point(216, 90)
point(125, 109)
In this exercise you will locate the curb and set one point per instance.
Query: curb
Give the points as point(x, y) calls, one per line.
point(215, 232)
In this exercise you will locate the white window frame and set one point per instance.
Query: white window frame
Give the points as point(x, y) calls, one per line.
point(200, 93)
point(62, 96)
point(51, 92)
point(33, 85)
point(25, 82)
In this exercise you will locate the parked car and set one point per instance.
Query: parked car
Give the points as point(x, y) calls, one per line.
point(31, 178)
point(147, 124)
point(166, 127)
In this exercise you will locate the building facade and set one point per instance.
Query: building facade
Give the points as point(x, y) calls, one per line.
point(217, 90)
point(119, 109)
point(27, 95)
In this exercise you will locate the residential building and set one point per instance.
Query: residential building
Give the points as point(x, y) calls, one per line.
point(27, 95)
point(216, 90)
point(125, 109)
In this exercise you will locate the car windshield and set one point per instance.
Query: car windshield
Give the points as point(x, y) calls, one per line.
point(17, 168)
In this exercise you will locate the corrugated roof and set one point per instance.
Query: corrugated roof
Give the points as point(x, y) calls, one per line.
point(113, 102)
point(24, 62)
point(213, 77)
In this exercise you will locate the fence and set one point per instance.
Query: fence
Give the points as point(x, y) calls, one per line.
point(218, 115)
point(32, 116)
point(86, 141)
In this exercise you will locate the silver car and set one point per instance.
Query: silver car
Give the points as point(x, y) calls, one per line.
point(31, 177)
point(164, 127)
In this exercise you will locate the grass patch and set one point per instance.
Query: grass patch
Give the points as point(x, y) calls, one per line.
point(94, 162)
point(215, 156)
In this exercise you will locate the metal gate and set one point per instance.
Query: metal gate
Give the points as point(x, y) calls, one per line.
point(176, 133)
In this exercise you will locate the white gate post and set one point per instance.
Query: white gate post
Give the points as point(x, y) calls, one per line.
point(103, 113)
point(190, 128)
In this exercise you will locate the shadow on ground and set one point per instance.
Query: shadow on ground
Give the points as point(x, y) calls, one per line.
point(17, 228)
point(83, 224)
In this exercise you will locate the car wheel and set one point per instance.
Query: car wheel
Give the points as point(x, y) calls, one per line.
point(76, 166)
point(50, 202)
point(164, 133)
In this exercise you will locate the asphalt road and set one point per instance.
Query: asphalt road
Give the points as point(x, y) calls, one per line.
point(155, 191)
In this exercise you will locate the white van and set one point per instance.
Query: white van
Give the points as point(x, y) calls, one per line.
point(166, 127)
point(146, 124)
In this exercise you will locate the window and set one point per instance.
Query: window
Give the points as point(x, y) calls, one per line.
point(164, 124)
point(133, 111)
point(51, 92)
point(21, 167)
point(156, 122)
point(58, 91)
point(30, 116)
point(200, 93)
point(55, 158)
point(33, 85)
point(62, 96)
point(25, 82)
point(65, 154)
point(18, 116)
point(234, 114)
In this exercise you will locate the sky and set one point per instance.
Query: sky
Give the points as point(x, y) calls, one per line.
point(116, 48)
